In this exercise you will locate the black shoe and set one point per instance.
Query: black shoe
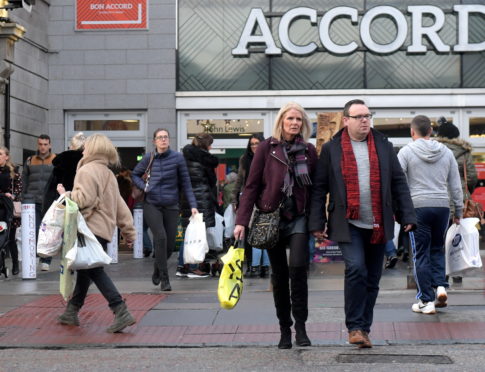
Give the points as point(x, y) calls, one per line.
point(15, 268)
point(301, 338)
point(254, 271)
point(391, 262)
point(263, 272)
point(165, 285)
point(147, 253)
point(285, 340)
point(156, 277)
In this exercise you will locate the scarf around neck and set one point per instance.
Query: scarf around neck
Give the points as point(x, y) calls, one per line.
point(297, 165)
point(351, 179)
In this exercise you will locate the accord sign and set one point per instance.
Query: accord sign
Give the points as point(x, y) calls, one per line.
point(257, 20)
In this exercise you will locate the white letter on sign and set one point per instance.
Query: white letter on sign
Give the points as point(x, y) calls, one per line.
point(325, 23)
point(256, 18)
point(431, 32)
point(401, 25)
point(284, 30)
point(463, 14)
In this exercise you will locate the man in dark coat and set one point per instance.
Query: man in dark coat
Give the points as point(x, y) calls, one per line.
point(359, 170)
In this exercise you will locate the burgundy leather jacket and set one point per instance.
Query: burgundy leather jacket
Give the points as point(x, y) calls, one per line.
point(265, 181)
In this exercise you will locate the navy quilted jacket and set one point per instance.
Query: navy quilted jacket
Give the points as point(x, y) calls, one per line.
point(168, 176)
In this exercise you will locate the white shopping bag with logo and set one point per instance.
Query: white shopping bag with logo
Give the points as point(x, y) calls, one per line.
point(462, 247)
point(195, 241)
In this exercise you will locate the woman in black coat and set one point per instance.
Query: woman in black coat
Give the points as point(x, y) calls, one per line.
point(65, 165)
point(201, 165)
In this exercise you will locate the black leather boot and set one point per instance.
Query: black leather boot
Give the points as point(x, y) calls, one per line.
point(299, 303)
point(165, 283)
point(156, 275)
point(281, 296)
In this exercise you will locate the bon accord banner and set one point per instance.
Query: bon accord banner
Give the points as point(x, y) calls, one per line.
point(111, 14)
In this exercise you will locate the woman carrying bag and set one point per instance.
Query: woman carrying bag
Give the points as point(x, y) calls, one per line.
point(253, 254)
point(201, 165)
point(96, 193)
point(280, 178)
point(168, 178)
point(11, 186)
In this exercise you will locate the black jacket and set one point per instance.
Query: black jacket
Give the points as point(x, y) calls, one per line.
point(201, 165)
point(65, 165)
point(328, 179)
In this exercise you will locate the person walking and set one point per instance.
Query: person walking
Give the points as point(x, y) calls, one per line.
point(201, 165)
point(448, 134)
point(168, 177)
point(280, 178)
point(64, 171)
point(96, 193)
point(431, 171)
point(253, 255)
point(360, 172)
point(35, 175)
point(11, 187)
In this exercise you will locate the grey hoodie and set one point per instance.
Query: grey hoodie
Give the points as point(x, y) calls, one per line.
point(431, 171)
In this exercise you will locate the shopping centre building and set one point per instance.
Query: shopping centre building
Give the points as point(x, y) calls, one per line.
point(127, 67)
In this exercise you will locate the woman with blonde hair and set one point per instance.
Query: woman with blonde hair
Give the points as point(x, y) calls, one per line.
point(280, 178)
point(96, 193)
point(11, 187)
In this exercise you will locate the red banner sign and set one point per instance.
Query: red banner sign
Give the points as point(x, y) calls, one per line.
point(111, 14)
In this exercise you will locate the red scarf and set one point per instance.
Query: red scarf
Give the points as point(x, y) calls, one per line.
point(351, 180)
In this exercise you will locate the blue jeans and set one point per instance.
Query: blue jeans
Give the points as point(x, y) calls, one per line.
point(390, 249)
point(257, 253)
point(363, 269)
point(429, 250)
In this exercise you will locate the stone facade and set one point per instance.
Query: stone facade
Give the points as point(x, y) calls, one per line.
point(59, 69)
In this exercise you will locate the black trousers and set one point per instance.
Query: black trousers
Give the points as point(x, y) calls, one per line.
point(99, 277)
point(163, 222)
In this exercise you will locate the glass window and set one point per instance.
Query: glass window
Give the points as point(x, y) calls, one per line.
point(225, 128)
point(399, 126)
point(477, 127)
point(102, 125)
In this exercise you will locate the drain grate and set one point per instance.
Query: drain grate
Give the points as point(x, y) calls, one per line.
point(394, 358)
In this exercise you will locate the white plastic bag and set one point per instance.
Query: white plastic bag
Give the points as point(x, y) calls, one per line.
point(87, 252)
point(51, 229)
point(462, 247)
point(215, 235)
point(195, 241)
point(229, 221)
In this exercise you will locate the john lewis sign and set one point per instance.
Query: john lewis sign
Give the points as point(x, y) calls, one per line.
point(257, 21)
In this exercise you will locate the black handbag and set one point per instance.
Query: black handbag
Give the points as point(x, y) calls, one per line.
point(264, 231)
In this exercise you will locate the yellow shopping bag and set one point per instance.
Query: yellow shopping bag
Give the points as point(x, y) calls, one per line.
point(67, 277)
point(230, 286)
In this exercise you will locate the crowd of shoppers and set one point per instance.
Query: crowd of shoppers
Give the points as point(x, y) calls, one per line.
point(352, 194)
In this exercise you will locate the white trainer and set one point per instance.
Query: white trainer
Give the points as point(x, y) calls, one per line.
point(424, 307)
point(441, 297)
point(44, 266)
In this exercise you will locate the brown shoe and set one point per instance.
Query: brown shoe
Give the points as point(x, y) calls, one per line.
point(366, 344)
point(356, 337)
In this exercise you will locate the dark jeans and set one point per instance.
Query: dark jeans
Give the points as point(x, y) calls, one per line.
point(99, 277)
point(429, 250)
point(363, 269)
point(163, 222)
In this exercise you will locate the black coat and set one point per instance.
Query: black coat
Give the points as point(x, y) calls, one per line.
point(201, 165)
point(65, 165)
point(328, 179)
